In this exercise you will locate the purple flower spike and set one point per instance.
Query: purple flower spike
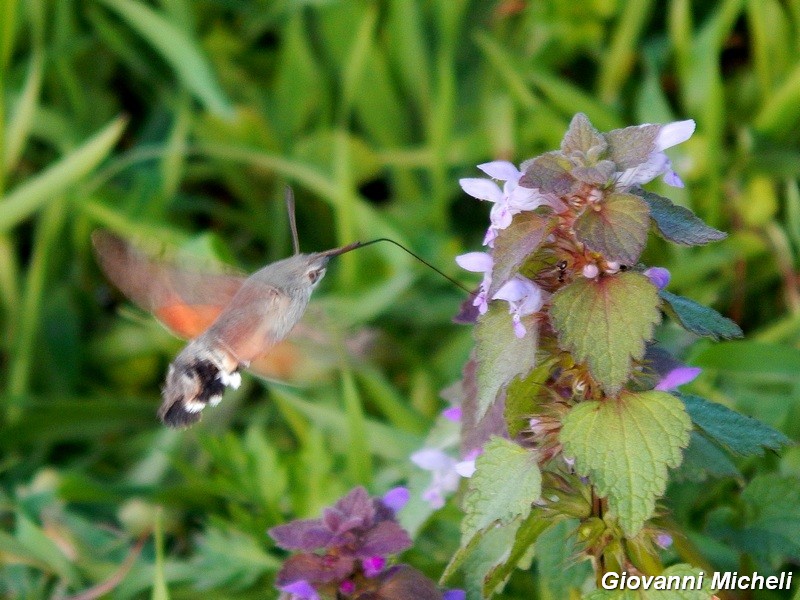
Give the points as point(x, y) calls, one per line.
point(678, 376)
point(347, 587)
point(454, 595)
point(373, 566)
point(659, 276)
point(396, 498)
point(300, 590)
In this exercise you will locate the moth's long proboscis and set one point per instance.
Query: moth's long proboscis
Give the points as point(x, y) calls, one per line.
point(356, 245)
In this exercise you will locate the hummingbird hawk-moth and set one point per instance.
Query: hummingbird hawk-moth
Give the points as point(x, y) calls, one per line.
point(232, 321)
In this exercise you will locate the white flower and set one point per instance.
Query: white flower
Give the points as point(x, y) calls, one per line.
point(509, 201)
point(658, 163)
point(524, 297)
point(445, 477)
point(479, 262)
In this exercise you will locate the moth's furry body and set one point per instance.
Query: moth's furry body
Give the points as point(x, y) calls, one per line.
point(262, 313)
point(233, 320)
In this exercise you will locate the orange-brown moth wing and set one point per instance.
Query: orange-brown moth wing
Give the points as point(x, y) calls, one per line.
point(187, 302)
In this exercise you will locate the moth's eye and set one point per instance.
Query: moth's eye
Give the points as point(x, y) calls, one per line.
point(315, 275)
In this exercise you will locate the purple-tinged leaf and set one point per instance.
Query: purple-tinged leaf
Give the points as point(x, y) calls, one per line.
point(501, 355)
point(616, 227)
point(403, 583)
point(475, 433)
point(699, 319)
point(736, 432)
point(605, 322)
point(582, 138)
point(357, 504)
point(383, 539)
point(515, 244)
point(631, 146)
point(314, 569)
point(678, 224)
point(306, 535)
point(549, 173)
point(598, 174)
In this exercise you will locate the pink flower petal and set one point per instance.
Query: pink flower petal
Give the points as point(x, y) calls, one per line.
point(659, 276)
point(502, 170)
point(432, 459)
point(465, 468)
point(482, 189)
point(673, 179)
point(476, 262)
point(452, 414)
point(654, 166)
point(678, 376)
point(674, 133)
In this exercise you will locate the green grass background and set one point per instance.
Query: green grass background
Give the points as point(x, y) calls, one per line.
point(179, 122)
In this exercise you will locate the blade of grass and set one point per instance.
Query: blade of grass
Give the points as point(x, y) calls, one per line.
point(178, 49)
point(359, 458)
point(616, 67)
point(19, 125)
point(8, 28)
point(29, 319)
point(160, 590)
point(26, 198)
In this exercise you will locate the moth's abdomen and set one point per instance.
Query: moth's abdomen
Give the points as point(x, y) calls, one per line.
point(196, 378)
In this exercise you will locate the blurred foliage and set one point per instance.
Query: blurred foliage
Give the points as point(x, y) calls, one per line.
point(180, 122)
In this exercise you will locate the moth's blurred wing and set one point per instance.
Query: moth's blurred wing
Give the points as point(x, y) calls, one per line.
point(187, 302)
point(314, 349)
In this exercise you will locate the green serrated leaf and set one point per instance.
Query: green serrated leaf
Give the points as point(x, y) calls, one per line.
point(625, 447)
point(606, 322)
point(501, 355)
point(772, 527)
point(678, 224)
point(631, 146)
point(492, 549)
point(506, 482)
point(561, 572)
point(526, 535)
point(515, 244)
point(699, 319)
point(582, 137)
point(738, 433)
point(523, 397)
point(703, 459)
point(549, 173)
point(616, 227)
point(656, 591)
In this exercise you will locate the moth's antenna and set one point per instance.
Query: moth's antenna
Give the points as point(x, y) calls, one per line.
point(292, 220)
point(356, 245)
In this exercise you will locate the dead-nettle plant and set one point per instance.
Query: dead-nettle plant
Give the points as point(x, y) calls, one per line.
point(346, 554)
point(569, 410)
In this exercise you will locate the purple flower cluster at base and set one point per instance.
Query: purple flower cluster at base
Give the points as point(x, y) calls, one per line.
point(346, 552)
